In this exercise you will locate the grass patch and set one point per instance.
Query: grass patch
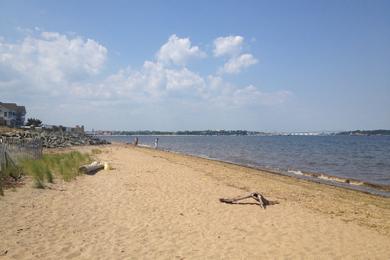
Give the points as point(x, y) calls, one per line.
point(8, 174)
point(64, 165)
point(96, 151)
point(39, 170)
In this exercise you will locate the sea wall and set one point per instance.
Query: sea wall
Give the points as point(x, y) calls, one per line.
point(53, 139)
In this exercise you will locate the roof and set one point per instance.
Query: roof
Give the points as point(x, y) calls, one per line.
point(13, 106)
point(21, 109)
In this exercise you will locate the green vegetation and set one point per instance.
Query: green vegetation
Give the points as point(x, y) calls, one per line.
point(213, 132)
point(63, 165)
point(96, 151)
point(200, 132)
point(8, 172)
point(233, 132)
point(34, 122)
point(67, 164)
point(366, 132)
point(39, 171)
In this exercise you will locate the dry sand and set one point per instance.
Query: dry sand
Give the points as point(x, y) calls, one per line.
point(163, 205)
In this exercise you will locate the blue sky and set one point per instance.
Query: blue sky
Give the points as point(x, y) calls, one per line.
point(175, 65)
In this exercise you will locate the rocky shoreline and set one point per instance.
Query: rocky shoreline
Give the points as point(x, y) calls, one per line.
point(53, 139)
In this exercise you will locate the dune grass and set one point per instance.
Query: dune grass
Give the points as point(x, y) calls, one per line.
point(7, 173)
point(39, 171)
point(64, 165)
point(96, 151)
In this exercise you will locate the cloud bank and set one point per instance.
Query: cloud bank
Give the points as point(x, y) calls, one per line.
point(50, 60)
point(72, 67)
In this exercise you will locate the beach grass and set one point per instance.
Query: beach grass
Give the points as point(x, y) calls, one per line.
point(64, 165)
point(8, 172)
point(39, 170)
point(96, 151)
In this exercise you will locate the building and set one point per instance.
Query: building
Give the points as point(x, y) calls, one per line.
point(12, 115)
point(76, 130)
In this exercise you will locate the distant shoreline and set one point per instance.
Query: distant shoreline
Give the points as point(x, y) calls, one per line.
point(379, 132)
point(269, 135)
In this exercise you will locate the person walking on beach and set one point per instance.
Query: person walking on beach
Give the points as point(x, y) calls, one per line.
point(156, 143)
point(136, 141)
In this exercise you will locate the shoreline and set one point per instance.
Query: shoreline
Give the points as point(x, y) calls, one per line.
point(160, 204)
point(256, 172)
point(376, 189)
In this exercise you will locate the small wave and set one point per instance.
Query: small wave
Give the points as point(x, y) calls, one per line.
point(344, 181)
point(295, 172)
point(144, 145)
point(332, 178)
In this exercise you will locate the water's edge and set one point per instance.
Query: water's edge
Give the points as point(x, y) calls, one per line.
point(320, 178)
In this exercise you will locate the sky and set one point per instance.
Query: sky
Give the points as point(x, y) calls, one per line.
point(193, 65)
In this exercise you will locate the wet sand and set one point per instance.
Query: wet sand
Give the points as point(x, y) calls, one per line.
point(157, 204)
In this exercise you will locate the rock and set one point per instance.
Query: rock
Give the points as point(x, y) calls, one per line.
point(55, 139)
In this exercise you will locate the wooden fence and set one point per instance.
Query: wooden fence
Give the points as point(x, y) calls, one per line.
point(12, 150)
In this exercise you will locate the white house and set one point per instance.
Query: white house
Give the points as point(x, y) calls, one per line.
point(12, 114)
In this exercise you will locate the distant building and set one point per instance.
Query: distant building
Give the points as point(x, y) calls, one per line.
point(12, 115)
point(76, 130)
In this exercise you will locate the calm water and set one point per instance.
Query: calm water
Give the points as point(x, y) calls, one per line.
point(365, 158)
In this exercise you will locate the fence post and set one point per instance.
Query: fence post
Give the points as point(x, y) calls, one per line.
point(2, 156)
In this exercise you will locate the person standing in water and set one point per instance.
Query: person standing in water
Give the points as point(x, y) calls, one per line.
point(156, 143)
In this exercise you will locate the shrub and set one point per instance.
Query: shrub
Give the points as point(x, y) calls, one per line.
point(34, 122)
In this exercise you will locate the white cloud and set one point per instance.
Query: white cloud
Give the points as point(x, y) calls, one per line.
point(155, 83)
point(236, 64)
point(230, 45)
point(68, 69)
point(184, 79)
point(156, 80)
point(252, 95)
point(52, 58)
point(151, 83)
point(214, 82)
point(225, 94)
point(178, 51)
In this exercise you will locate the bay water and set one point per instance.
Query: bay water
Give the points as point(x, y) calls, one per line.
point(361, 158)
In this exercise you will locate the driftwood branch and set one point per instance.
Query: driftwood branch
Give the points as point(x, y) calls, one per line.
point(260, 199)
point(91, 168)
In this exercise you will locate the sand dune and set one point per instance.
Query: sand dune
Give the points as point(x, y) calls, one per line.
point(162, 205)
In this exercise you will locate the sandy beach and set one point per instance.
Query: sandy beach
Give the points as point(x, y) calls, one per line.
point(162, 205)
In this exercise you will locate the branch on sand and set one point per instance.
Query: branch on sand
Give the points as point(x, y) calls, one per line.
point(260, 199)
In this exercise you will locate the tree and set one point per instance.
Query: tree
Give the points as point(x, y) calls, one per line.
point(34, 122)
